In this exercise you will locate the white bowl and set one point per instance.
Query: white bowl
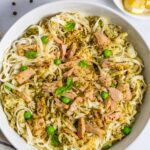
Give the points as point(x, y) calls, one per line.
point(88, 8)
point(119, 4)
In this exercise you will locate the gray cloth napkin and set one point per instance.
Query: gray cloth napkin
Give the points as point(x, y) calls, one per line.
point(4, 144)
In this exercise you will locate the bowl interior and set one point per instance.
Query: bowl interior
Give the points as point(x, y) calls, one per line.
point(87, 8)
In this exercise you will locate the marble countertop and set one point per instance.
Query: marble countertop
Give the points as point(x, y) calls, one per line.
point(23, 6)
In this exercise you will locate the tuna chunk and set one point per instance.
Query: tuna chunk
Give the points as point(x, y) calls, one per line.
point(70, 94)
point(68, 73)
point(25, 75)
point(60, 104)
point(57, 40)
point(74, 105)
point(110, 104)
point(94, 129)
point(41, 107)
point(115, 94)
point(89, 94)
point(81, 128)
point(125, 88)
point(112, 117)
point(102, 39)
point(71, 52)
point(63, 51)
point(51, 87)
point(69, 64)
point(106, 64)
point(39, 127)
point(24, 96)
point(105, 79)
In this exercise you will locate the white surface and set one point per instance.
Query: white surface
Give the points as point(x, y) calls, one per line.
point(143, 26)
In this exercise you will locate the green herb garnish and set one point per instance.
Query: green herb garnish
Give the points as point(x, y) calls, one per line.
point(27, 115)
point(61, 90)
point(23, 68)
point(126, 130)
point(83, 64)
point(44, 39)
point(65, 100)
point(55, 140)
point(57, 61)
point(65, 88)
point(50, 130)
point(107, 53)
point(31, 54)
point(104, 95)
point(70, 26)
point(8, 88)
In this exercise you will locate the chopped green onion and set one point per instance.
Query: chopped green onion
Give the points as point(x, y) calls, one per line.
point(27, 115)
point(65, 88)
point(69, 83)
point(60, 90)
point(44, 39)
point(50, 130)
point(8, 88)
point(31, 54)
point(65, 100)
point(83, 64)
point(57, 61)
point(70, 26)
point(126, 130)
point(23, 68)
point(55, 140)
point(104, 95)
point(107, 53)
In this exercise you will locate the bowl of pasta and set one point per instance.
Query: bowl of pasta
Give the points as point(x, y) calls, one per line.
point(73, 75)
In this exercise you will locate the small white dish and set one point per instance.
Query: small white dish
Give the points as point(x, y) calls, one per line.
point(119, 4)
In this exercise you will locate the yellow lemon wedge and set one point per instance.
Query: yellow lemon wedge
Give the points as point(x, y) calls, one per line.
point(134, 6)
point(147, 4)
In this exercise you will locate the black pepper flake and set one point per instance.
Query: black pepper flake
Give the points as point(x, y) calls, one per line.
point(13, 3)
point(31, 1)
point(14, 13)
